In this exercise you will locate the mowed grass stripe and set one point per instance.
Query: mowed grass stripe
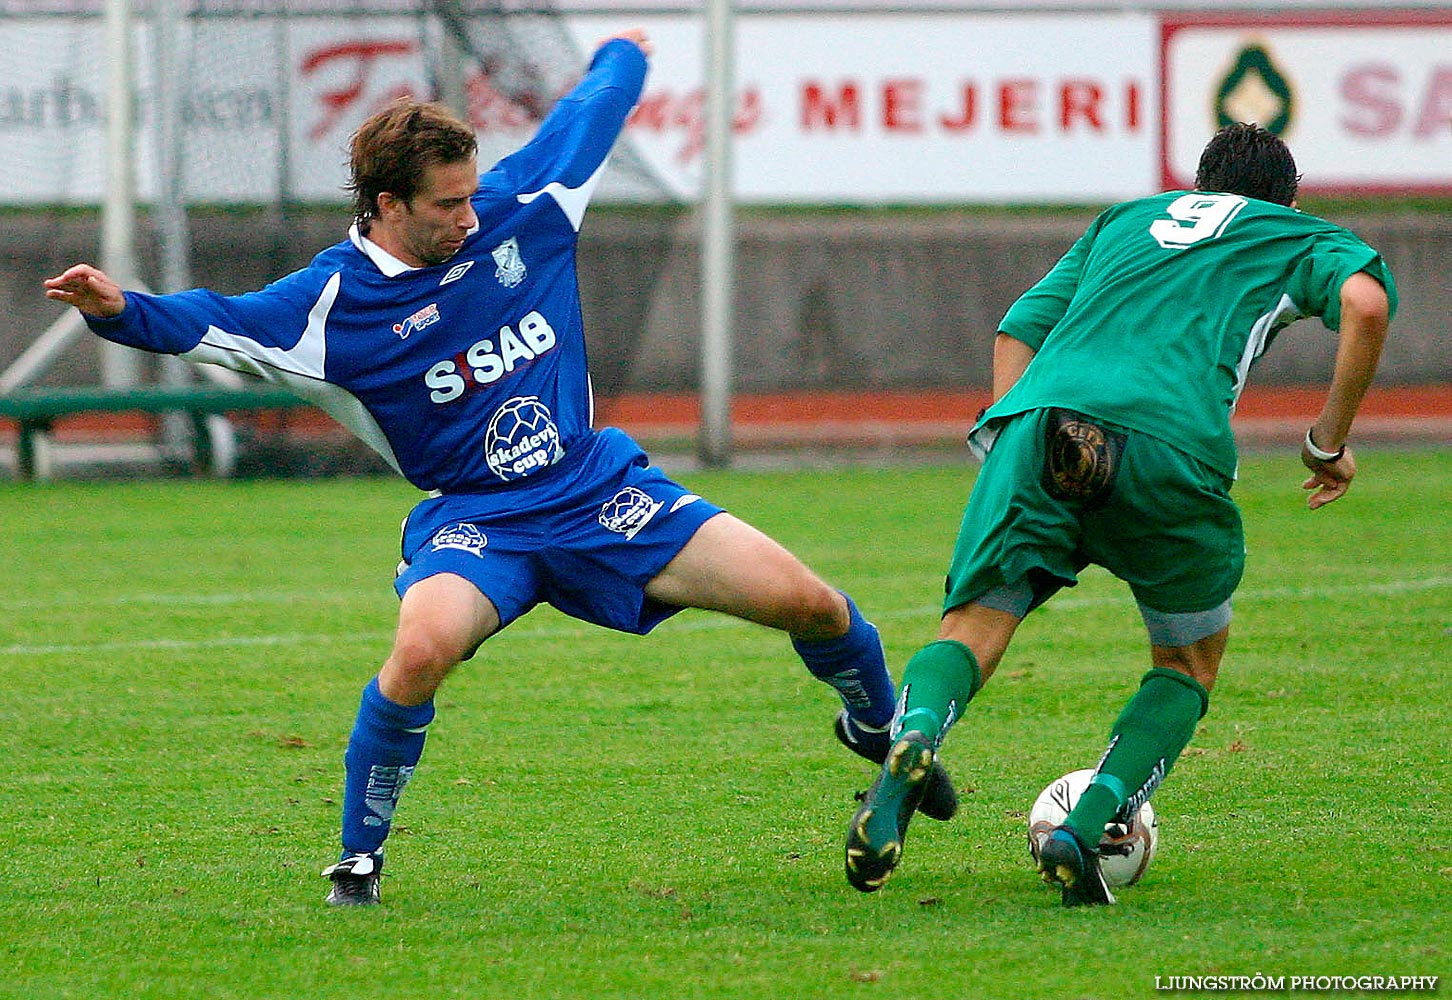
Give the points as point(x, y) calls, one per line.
point(562, 629)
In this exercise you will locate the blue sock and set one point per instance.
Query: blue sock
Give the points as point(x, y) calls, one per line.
point(855, 666)
point(383, 750)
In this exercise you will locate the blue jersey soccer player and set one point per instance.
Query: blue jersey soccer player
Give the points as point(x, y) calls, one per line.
point(446, 333)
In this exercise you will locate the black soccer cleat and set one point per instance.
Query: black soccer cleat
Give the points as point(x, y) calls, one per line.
point(940, 798)
point(876, 833)
point(1066, 861)
point(355, 881)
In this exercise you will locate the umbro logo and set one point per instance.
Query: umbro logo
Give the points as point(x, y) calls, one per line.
point(456, 272)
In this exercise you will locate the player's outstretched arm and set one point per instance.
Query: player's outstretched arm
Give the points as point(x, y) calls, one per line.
point(570, 148)
point(88, 289)
point(1365, 312)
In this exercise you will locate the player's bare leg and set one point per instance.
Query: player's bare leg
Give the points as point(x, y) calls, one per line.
point(442, 620)
point(732, 567)
point(1151, 731)
point(985, 631)
point(937, 684)
point(1200, 659)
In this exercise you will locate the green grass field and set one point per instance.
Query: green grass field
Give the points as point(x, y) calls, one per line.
point(602, 816)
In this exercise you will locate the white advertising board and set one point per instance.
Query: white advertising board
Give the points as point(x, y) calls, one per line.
point(867, 108)
point(930, 108)
point(832, 107)
point(1364, 99)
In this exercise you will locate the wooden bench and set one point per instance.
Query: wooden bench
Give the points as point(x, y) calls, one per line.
point(37, 410)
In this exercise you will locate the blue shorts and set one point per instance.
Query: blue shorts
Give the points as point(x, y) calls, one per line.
point(586, 538)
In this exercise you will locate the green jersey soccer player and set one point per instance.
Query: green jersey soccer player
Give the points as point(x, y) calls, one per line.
point(1109, 442)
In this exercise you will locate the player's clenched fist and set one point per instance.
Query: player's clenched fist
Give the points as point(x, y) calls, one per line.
point(636, 35)
point(88, 289)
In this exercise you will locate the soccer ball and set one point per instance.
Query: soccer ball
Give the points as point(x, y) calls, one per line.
point(1127, 849)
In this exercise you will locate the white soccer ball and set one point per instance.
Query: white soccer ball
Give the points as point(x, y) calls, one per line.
point(1127, 849)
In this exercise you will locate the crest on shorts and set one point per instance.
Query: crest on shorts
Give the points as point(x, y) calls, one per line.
point(509, 265)
point(1081, 458)
point(628, 511)
point(462, 536)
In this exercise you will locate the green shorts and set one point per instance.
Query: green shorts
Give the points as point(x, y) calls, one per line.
point(1152, 515)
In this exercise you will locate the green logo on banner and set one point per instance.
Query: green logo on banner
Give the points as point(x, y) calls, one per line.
point(1255, 91)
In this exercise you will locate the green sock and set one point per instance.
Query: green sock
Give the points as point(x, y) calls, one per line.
point(1144, 744)
point(937, 685)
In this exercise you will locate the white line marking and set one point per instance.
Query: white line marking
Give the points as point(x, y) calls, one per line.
point(567, 628)
point(57, 601)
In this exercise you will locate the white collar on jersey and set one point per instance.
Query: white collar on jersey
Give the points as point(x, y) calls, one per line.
point(390, 265)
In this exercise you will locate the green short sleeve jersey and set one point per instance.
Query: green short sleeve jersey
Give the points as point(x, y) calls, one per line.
point(1153, 319)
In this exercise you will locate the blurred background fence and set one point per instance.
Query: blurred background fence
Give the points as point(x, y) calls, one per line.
point(902, 171)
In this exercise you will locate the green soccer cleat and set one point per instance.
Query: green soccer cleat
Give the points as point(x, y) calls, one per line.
point(876, 833)
point(940, 798)
point(1064, 860)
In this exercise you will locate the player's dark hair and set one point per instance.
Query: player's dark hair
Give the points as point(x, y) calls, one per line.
point(392, 149)
point(1247, 160)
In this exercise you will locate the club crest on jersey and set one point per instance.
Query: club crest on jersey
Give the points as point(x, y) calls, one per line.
point(456, 272)
point(509, 265)
point(628, 511)
point(462, 536)
point(425, 317)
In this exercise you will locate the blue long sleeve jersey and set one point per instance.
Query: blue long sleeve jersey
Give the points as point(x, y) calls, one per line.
point(465, 376)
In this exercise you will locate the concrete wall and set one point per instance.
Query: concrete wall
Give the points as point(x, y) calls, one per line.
point(826, 300)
